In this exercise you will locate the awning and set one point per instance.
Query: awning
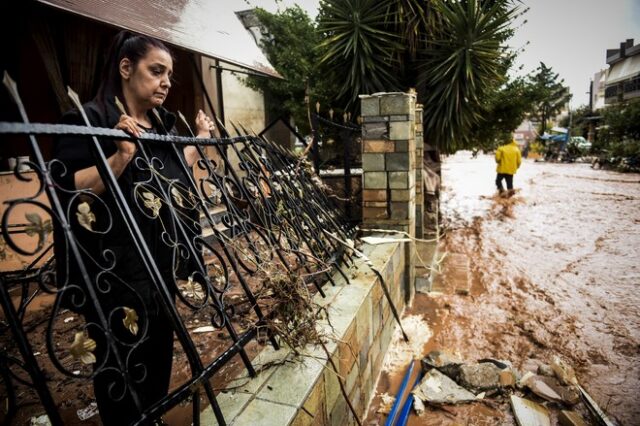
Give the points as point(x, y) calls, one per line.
point(624, 70)
point(207, 27)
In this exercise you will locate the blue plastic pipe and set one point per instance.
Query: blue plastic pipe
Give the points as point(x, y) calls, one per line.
point(403, 418)
point(403, 387)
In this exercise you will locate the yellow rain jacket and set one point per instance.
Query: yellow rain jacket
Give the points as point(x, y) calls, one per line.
point(508, 158)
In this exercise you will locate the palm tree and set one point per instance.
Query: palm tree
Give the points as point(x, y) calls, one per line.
point(452, 50)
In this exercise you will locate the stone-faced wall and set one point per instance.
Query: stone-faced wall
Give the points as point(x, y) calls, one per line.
point(389, 170)
point(307, 392)
point(389, 161)
point(419, 171)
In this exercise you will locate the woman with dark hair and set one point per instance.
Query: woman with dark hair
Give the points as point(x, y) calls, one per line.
point(136, 374)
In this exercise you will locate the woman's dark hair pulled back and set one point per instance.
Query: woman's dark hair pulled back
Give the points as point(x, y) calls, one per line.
point(125, 45)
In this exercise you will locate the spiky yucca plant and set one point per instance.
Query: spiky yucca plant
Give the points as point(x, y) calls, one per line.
point(464, 60)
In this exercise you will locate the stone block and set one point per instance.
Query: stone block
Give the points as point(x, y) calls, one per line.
point(348, 351)
point(398, 162)
point(338, 413)
point(331, 386)
point(375, 180)
point(400, 180)
point(374, 195)
point(401, 146)
point(373, 162)
point(351, 380)
point(401, 130)
point(381, 204)
point(363, 323)
point(377, 146)
point(397, 104)
point(374, 213)
point(375, 119)
point(254, 414)
point(401, 117)
point(401, 195)
point(376, 130)
point(370, 106)
point(400, 210)
point(364, 357)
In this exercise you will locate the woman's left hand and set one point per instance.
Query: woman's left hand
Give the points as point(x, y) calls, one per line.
point(204, 125)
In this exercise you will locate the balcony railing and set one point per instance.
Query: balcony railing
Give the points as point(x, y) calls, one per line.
point(227, 233)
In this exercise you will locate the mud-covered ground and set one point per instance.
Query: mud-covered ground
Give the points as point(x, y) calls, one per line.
point(554, 270)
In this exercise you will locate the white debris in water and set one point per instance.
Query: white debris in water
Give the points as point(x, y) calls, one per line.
point(400, 353)
point(42, 420)
point(386, 403)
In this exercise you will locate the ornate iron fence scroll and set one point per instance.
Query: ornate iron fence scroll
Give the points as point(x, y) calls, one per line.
point(223, 234)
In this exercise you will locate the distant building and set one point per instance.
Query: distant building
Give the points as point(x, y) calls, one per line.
point(623, 79)
point(597, 89)
point(525, 133)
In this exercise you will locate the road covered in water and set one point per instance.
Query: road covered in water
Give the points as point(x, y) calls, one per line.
point(553, 271)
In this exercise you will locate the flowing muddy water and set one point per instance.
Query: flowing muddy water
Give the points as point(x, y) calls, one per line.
point(554, 270)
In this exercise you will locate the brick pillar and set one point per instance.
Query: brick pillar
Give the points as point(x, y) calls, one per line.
point(389, 169)
point(419, 170)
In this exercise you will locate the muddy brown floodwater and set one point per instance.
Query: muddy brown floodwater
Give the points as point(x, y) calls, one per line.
point(554, 270)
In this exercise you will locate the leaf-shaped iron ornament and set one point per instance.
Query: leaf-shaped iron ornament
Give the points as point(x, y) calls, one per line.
point(216, 194)
point(82, 348)
point(216, 273)
point(152, 202)
point(85, 216)
point(130, 320)
point(177, 197)
point(193, 289)
point(37, 227)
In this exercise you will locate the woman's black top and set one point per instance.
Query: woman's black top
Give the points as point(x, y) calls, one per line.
point(108, 249)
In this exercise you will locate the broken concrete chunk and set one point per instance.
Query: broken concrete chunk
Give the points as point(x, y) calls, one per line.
point(550, 389)
point(564, 372)
point(507, 379)
point(501, 364)
point(437, 388)
point(545, 370)
point(418, 405)
point(528, 413)
point(570, 418)
point(543, 390)
point(525, 378)
point(484, 376)
point(446, 362)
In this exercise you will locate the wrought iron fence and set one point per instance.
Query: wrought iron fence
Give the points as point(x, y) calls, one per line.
point(345, 137)
point(225, 234)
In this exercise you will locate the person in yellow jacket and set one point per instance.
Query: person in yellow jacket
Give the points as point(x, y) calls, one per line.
point(509, 159)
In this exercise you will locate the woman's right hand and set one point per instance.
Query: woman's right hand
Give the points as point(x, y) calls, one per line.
point(127, 148)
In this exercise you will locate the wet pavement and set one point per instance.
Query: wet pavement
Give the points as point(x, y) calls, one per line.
point(553, 270)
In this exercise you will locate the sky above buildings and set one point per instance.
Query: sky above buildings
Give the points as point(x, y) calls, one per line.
point(571, 36)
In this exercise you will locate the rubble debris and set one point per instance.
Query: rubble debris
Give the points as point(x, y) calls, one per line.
point(437, 388)
point(545, 370)
point(570, 418)
point(500, 363)
point(386, 402)
point(543, 390)
point(594, 409)
point(204, 329)
point(88, 412)
point(483, 376)
point(524, 379)
point(418, 405)
point(42, 420)
point(564, 372)
point(445, 362)
point(528, 413)
point(507, 379)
